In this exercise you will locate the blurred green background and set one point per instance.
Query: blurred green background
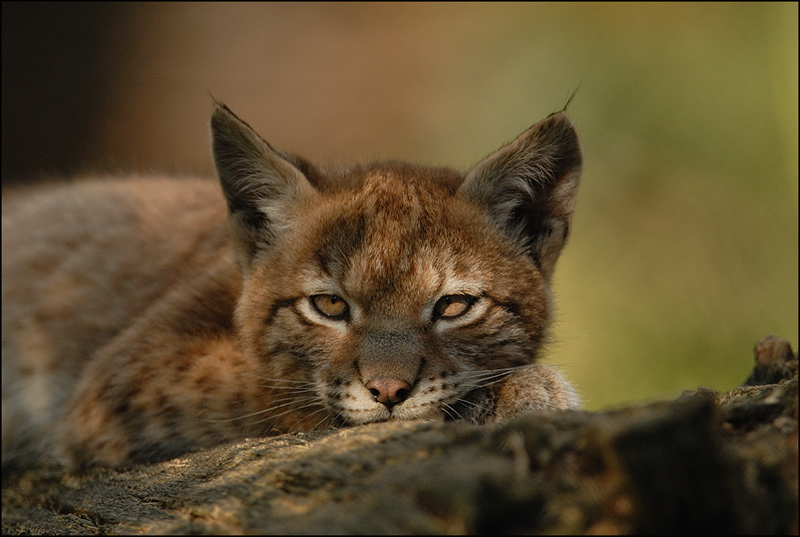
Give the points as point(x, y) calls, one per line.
point(685, 241)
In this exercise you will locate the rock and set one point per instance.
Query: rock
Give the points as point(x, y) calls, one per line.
point(706, 462)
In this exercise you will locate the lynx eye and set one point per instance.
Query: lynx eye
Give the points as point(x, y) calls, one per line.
point(331, 306)
point(452, 306)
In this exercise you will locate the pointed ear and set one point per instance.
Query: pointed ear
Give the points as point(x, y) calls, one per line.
point(528, 188)
point(260, 183)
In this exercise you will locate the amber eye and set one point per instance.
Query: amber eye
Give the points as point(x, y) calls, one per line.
point(332, 306)
point(451, 306)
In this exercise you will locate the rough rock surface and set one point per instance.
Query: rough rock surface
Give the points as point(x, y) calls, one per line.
point(706, 462)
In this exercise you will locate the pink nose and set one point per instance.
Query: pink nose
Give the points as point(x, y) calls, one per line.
point(388, 391)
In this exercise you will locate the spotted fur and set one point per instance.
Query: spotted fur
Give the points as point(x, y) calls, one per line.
point(146, 317)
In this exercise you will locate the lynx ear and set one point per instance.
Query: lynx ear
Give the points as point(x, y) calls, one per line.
point(528, 188)
point(260, 183)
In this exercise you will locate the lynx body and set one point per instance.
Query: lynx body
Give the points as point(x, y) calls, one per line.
point(144, 317)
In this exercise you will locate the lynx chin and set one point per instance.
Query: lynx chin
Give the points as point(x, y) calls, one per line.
point(144, 317)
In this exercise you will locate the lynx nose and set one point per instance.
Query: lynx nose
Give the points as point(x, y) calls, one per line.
point(388, 391)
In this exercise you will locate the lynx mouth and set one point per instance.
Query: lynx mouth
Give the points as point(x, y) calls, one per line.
point(401, 412)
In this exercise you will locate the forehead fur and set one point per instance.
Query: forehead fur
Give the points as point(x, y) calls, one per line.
point(353, 179)
point(397, 229)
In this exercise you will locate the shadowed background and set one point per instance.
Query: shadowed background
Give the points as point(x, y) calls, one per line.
point(685, 241)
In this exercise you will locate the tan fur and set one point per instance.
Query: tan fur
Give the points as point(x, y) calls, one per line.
point(143, 318)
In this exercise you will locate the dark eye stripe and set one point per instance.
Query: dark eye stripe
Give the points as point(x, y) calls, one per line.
point(511, 307)
point(279, 305)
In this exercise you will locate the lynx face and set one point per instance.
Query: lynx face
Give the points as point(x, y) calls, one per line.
point(397, 298)
point(395, 290)
point(142, 318)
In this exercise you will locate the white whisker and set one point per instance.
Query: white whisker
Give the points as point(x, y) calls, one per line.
point(285, 401)
point(280, 383)
point(451, 412)
point(314, 402)
point(486, 377)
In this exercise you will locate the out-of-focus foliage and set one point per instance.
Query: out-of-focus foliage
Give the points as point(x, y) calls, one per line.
point(685, 241)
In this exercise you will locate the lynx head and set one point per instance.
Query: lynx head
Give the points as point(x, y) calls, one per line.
point(395, 290)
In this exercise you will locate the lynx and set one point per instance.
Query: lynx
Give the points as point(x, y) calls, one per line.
point(145, 317)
